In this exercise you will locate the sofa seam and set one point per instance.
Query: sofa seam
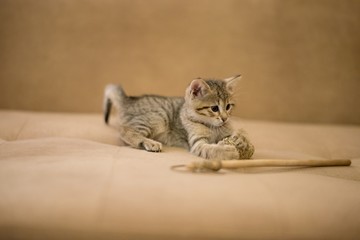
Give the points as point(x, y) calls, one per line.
point(22, 128)
point(105, 191)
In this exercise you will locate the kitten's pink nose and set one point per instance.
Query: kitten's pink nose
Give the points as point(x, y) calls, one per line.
point(224, 119)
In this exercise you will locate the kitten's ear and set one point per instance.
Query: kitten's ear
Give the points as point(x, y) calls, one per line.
point(231, 82)
point(199, 88)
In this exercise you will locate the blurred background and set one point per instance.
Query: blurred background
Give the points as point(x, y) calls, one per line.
point(300, 59)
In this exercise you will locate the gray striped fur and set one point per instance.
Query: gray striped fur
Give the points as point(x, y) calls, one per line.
point(198, 121)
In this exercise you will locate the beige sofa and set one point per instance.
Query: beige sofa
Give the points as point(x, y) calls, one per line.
point(64, 174)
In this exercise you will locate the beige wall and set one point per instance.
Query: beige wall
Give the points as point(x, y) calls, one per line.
point(300, 59)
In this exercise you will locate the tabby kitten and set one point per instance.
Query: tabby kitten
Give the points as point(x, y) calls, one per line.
point(198, 122)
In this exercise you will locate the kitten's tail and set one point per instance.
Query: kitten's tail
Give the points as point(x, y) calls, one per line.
point(113, 95)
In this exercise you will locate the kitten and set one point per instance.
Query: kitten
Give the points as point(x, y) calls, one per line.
point(198, 122)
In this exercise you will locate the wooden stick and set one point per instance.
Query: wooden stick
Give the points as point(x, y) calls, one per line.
point(233, 164)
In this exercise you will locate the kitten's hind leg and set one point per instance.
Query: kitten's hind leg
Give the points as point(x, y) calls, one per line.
point(138, 139)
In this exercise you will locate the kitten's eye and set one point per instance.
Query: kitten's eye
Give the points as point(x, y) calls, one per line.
point(228, 107)
point(215, 108)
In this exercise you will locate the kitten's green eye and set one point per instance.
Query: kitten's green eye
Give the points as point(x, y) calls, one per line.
point(215, 108)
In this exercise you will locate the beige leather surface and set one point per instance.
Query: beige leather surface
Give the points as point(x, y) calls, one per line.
point(65, 176)
point(299, 59)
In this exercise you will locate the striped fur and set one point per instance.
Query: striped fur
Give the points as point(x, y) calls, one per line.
point(198, 121)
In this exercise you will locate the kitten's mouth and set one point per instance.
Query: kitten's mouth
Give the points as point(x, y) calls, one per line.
point(222, 121)
point(220, 124)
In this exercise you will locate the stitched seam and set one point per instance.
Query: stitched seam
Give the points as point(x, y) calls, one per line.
point(21, 128)
point(106, 189)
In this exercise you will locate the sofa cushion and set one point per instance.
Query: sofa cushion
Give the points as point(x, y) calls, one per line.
point(67, 176)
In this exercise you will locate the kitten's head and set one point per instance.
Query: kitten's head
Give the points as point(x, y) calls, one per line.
point(211, 101)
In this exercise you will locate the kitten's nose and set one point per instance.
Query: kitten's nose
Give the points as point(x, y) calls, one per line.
point(224, 119)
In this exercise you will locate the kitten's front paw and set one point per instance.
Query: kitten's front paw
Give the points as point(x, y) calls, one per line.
point(152, 146)
point(243, 146)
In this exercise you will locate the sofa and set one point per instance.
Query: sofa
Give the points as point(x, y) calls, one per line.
point(65, 174)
